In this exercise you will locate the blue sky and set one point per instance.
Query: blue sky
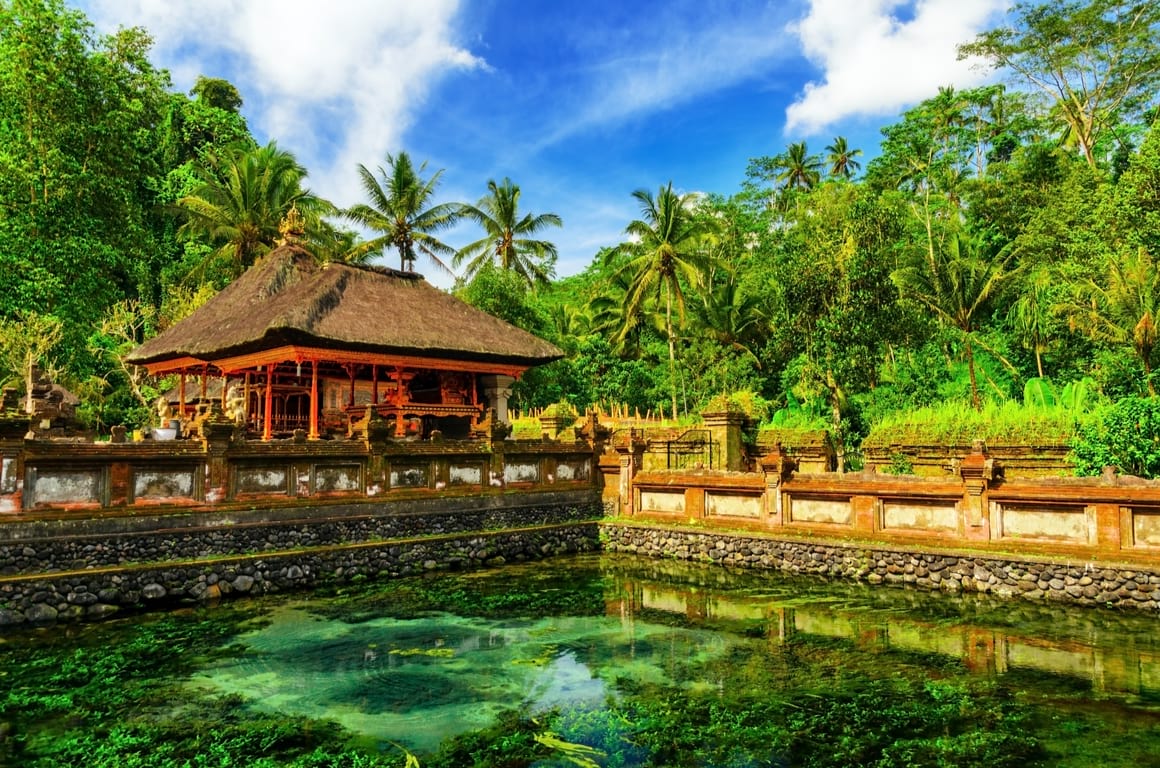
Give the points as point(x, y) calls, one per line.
point(579, 103)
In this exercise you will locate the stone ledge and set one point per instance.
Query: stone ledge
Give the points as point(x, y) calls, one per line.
point(98, 594)
point(1029, 578)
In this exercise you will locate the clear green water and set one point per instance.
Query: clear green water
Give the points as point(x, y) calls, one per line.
point(603, 661)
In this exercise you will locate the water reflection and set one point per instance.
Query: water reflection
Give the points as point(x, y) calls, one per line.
point(1110, 658)
point(586, 633)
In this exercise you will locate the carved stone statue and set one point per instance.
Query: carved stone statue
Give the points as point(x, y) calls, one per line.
point(164, 411)
point(235, 404)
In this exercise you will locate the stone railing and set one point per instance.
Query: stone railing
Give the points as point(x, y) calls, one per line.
point(46, 477)
point(1106, 519)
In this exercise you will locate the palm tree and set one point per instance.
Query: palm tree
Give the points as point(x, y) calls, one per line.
point(841, 158)
point(241, 200)
point(1122, 308)
point(507, 236)
point(667, 248)
point(610, 316)
point(1032, 318)
point(400, 211)
point(954, 281)
point(797, 168)
point(732, 316)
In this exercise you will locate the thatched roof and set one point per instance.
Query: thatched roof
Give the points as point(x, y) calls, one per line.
point(288, 298)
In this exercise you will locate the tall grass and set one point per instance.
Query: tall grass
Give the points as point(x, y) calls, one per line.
point(1008, 423)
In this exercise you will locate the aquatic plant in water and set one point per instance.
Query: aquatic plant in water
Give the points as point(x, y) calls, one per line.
point(581, 662)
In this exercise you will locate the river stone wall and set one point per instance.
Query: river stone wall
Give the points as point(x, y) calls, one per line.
point(99, 594)
point(62, 570)
point(37, 549)
point(1022, 578)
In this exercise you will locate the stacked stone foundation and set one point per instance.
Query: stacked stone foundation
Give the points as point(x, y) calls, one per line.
point(1018, 577)
point(88, 571)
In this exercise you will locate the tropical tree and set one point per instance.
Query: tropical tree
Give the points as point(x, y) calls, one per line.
point(241, 201)
point(667, 253)
point(78, 153)
point(400, 210)
point(1122, 306)
point(25, 343)
point(840, 157)
point(507, 239)
point(955, 281)
point(732, 317)
point(797, 168)
point(1032, 316)
point(831, 307)
point(1096, 60)
point(217, 93)
point(611, 317)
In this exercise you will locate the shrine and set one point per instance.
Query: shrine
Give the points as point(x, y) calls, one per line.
point(296, 344)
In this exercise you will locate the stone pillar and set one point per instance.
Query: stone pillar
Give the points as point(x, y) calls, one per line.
point(14, 426)
point(631, 458)
point(376, 434)
point(217, 432)
point(778, 467)
point(594, 432)
point(977, 471)
point(725, 429)
point(497, 388)
point(556, 418)
point(596, 435)
point(497, 464)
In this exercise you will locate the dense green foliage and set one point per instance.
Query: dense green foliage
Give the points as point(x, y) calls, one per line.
point(1125, 435)
point(1001, 234)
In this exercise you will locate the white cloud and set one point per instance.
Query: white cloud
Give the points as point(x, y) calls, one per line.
point(337, 83)
point(691, 50)
point(873, 63)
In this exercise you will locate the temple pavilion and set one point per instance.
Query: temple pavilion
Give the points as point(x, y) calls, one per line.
point(296, 344)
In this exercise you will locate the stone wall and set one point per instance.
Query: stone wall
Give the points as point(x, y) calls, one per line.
point(90, 568)
point(99, 594)
point(36, 548)
point(40, 478)
point(1019, 461)
point(1026, 578)
point(1107, 519)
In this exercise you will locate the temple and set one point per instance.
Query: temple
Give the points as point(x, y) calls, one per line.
point(295, 344)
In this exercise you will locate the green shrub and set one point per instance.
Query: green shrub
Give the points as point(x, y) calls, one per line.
point(753, 405)
point(1125, 435)
point(798, 415)
point(900, 464)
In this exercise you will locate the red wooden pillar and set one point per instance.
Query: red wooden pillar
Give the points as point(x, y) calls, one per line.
point(374, 384)
point(313, 400)
point(180, 398)
point(267, 426)
point(400, 423)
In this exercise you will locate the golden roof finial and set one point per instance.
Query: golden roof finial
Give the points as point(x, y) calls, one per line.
point(293, 226)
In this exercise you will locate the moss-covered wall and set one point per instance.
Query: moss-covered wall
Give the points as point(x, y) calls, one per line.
point(95, 567)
